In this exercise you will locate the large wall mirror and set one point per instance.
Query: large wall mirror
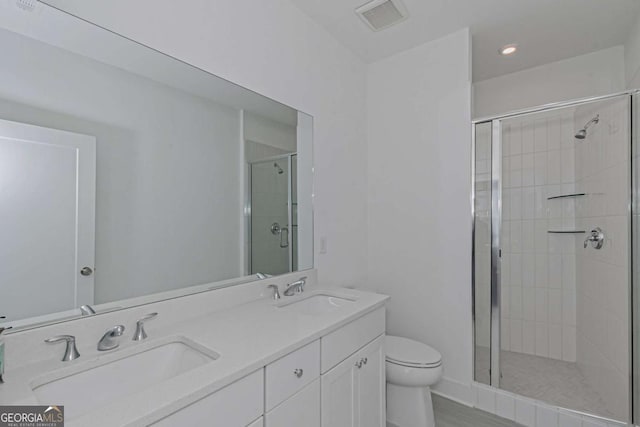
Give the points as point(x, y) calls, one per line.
point(127, 176)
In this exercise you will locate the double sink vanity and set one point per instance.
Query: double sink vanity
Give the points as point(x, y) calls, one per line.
point(231, 357)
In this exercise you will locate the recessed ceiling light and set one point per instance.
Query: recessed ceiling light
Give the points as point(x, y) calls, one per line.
point(509, 49)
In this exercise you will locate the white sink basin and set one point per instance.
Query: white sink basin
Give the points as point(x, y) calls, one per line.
point(318, 304)
point(84, 388)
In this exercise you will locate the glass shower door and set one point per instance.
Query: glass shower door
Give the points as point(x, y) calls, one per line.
point(482, 253)
point(552, 255)
point(271, 234)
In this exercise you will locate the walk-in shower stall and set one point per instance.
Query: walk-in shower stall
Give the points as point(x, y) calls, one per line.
point(553, 254)
point(273, 214)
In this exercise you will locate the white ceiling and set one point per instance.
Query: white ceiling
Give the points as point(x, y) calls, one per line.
point(545, 30)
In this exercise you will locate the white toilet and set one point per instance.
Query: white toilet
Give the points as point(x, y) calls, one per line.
point(412, 368)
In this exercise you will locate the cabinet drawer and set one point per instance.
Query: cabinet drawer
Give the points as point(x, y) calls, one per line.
point(302, 409)
point(286, 376)
point(342, 343)
point(236, 405)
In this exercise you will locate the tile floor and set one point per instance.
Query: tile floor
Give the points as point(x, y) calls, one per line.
point(555, 382)
point(451, 414)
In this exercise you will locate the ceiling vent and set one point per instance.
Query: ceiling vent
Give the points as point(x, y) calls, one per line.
point(381, 14)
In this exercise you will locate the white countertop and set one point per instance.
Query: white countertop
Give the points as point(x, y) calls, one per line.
point(247, 337)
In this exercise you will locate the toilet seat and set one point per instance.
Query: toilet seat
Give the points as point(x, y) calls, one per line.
point(413, 354)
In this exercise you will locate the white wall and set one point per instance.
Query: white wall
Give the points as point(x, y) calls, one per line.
point(269, 132)
point(597, 73)
point(632, 57)
point(146, 221)
point(273, 48)
point(418, 125)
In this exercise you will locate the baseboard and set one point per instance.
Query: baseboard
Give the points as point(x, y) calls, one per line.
point(454, 390)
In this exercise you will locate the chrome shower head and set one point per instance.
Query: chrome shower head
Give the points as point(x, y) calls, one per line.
point(277, 166)
point(582, 133)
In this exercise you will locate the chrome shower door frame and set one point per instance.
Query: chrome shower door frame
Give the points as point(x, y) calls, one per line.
point(496, 251)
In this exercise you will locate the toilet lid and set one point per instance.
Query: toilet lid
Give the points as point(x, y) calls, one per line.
point(404, 351)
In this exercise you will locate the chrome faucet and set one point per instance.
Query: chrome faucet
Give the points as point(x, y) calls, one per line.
point(108, 340)
point(140, 333)
point(296, 287)
point(71, 351)
point(87, 310)
point(276, 291)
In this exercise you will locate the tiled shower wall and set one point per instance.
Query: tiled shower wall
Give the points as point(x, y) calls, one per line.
point(538, 268)
point(602, 171)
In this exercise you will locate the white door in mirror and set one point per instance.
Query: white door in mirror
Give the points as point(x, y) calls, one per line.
point(48, 198)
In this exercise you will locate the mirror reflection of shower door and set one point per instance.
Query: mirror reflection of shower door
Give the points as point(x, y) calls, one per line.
point(562, 299)
point(271, 216)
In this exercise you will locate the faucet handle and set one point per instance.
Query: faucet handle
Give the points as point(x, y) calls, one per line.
point(276, 291)
point(140, 333)
point(71, 351)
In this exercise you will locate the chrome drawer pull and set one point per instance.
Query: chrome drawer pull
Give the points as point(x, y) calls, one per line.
point(298, 372)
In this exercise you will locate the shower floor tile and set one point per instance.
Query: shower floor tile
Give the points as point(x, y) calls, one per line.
point(552, 381)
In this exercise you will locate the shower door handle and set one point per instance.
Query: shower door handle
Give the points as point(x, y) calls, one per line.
point(276, 229)
point(284, 243)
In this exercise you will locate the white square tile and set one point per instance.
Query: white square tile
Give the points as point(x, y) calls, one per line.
point(516, 303)
point(529, 304)
point(541, 305)
point(528, 337)
point(555, 306)
point(516, 335)
point(528, 269)
point(486, 399)
point(528, 238)
point(554, 168)
point(590, 422)
point(555, 342)
point(542, 272)
point(569, 343)
point(505, 406)
point(515, 140)
point(540, 168)
point(555, 271)
point(525, 412)
point(554, 135)
point(569, 308)
point(542, 340)
point(567, 419)
point(540, 135)
point(546, 416)
point(527, 137)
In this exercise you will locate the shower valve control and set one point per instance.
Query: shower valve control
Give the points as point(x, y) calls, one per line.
point(596, 238)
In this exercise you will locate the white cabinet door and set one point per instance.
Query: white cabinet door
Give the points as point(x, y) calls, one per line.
point(339, 395)
point(301, 410)
point(353, 393)
point(372, 385)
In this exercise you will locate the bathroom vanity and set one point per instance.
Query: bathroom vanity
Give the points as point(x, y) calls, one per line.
point(314, 359)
